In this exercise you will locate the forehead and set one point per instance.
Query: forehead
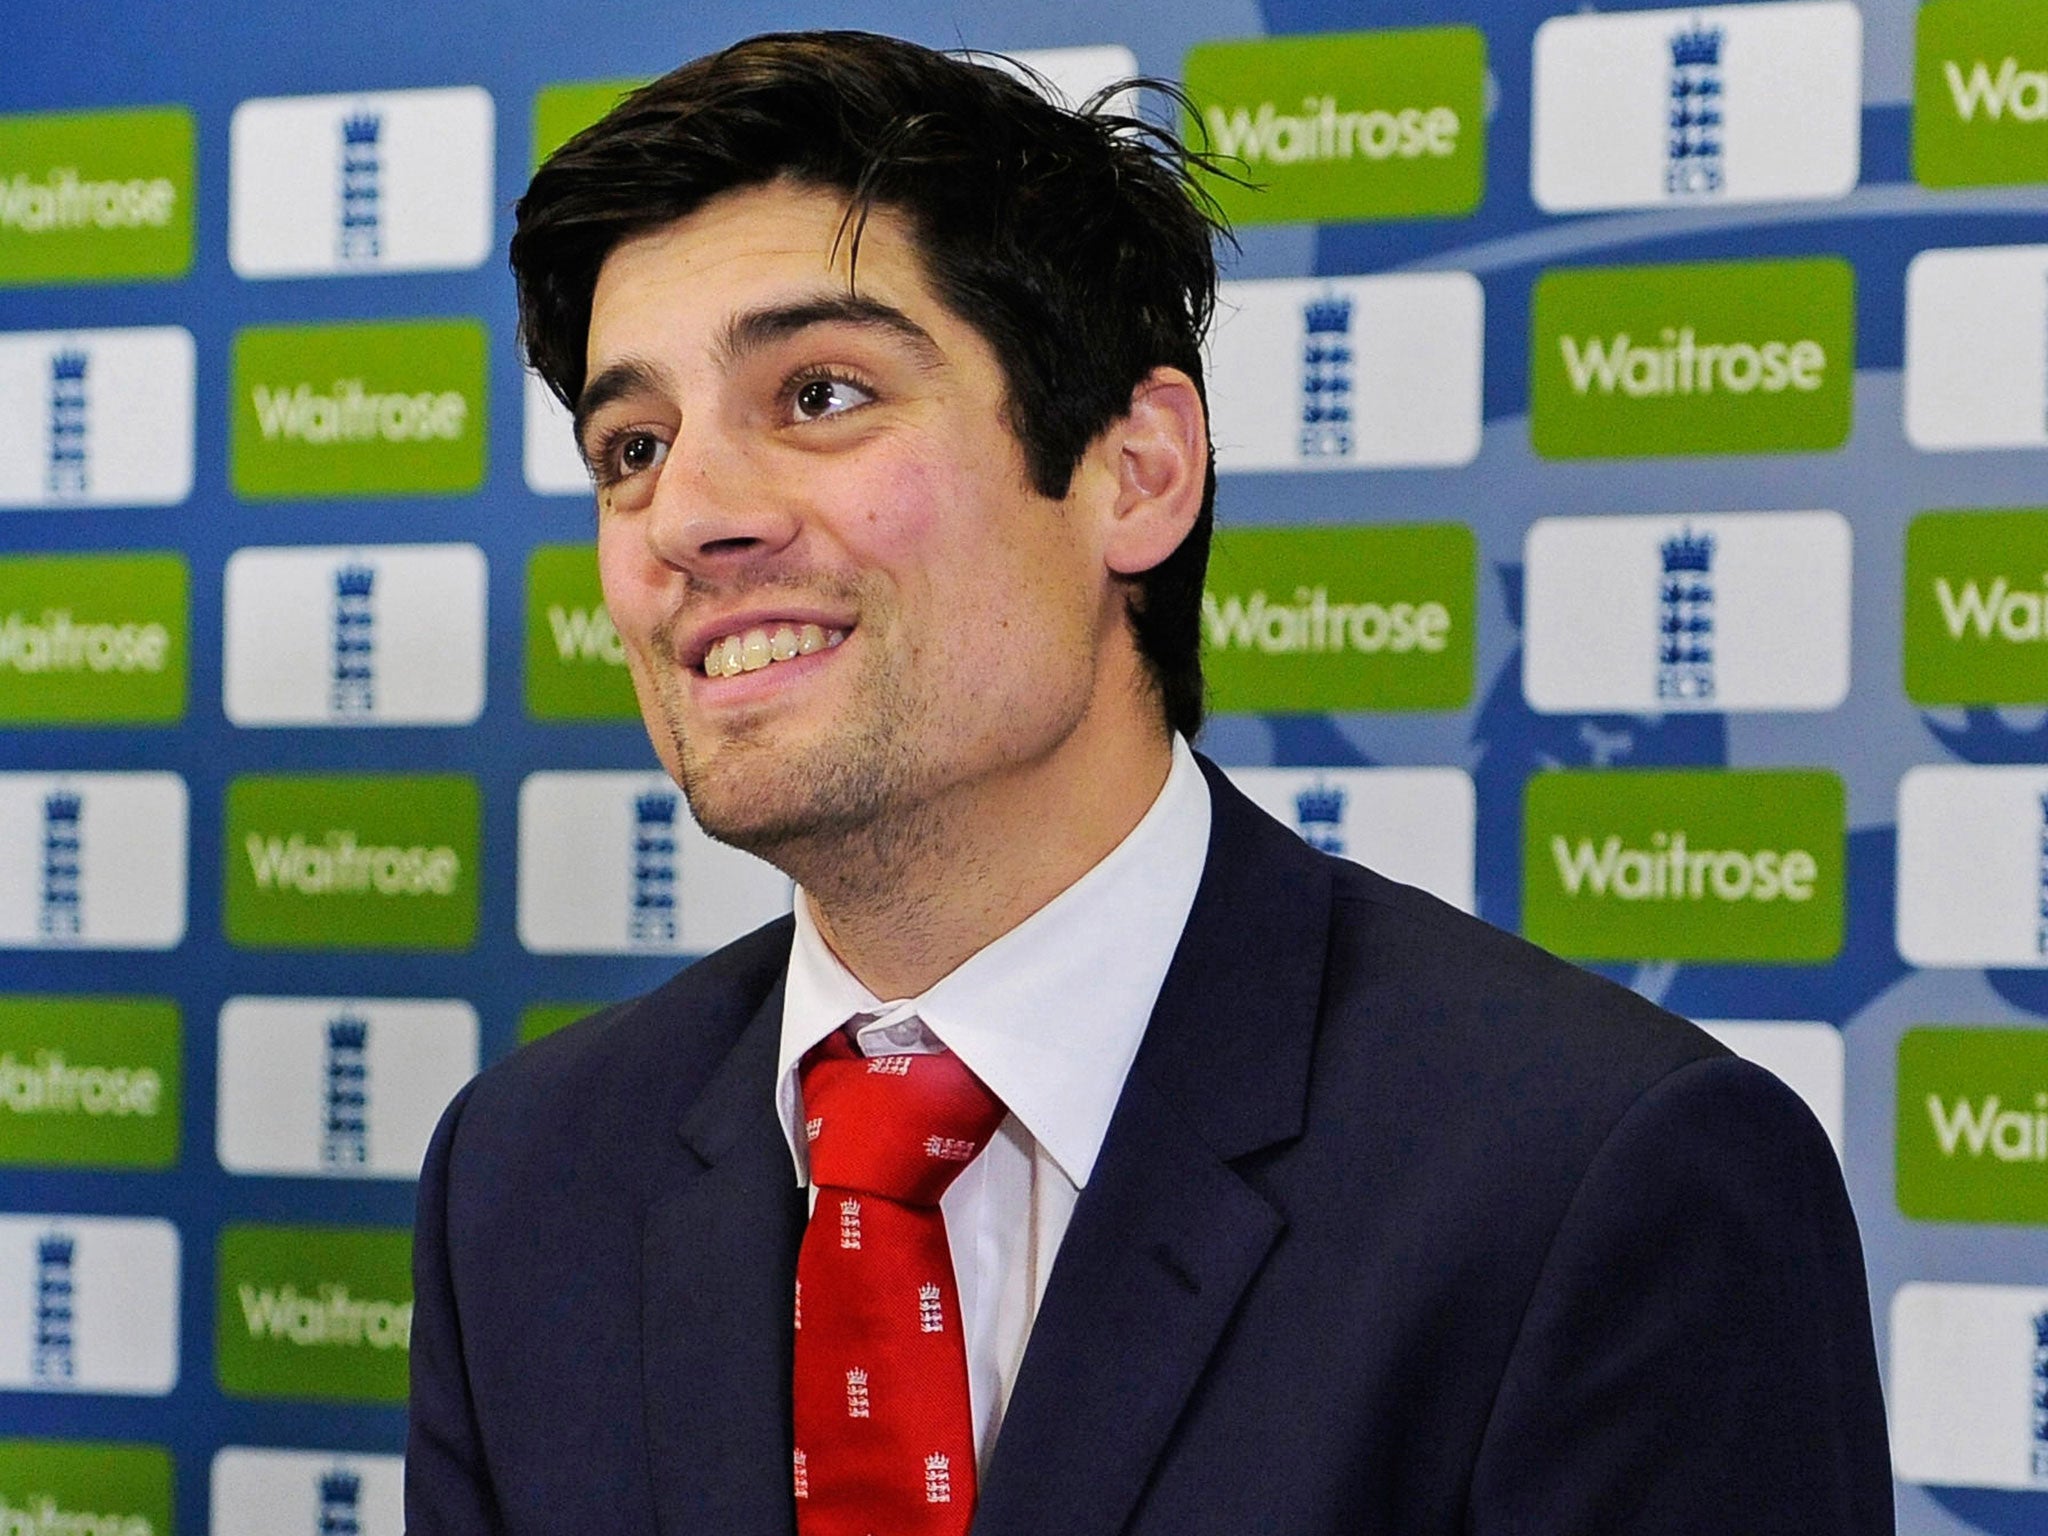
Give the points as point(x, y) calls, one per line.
point(745, 249)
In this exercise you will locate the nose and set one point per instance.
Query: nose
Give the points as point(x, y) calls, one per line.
point(717, 510)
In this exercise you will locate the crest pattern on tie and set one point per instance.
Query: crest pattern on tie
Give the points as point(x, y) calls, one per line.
point(884, 1429)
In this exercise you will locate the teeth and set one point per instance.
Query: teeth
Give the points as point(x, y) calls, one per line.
point(758, 648)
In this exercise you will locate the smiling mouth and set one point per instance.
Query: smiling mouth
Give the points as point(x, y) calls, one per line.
point(761, 647)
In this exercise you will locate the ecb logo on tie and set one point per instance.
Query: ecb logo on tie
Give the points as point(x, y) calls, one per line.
point(341, 1495)
point(1693, 165)
point(1326, 378)
point(652, 920)
point(67, 476)
point(53, 1360)
point(1319, 817)
point(61, 915)
point(354, 683)
point(1685, 618)
point(345, 1129)
point(360, 237)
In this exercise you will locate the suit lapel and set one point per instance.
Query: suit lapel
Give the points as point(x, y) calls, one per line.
point(718, 1263)
point(1168, 1234)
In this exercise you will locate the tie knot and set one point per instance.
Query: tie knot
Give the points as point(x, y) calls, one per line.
point(901, 1127)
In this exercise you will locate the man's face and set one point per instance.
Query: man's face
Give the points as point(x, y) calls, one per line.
point(844, 607)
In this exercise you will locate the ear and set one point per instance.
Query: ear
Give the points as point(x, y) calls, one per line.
point(1162, 468)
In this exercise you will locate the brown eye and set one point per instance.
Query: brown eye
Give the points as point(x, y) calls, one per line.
point(638, 452)
point(818, 398)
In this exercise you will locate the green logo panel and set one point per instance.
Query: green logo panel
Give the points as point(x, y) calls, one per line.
point(1344, 126)
point(1307, 620)
point(93, 639)
point(538, 1019)
point(1980, 93)
point(1973, 1125)
point(1684, 864)
point(96, 196)
point(389, 408)
point(1705, 357)
point(560, 112)
point(1976, 591)
point(315, 1312)
point(89, 1082)
point(379, 861)
point(85, 1487)
point(575, 663)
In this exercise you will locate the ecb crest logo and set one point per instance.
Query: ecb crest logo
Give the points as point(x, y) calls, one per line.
point(1685, 618)
point(1327, 360)
point(53, 1359)
point(1319, 817)
point(61, 916)
point(1693, 164)
point(341, 1496)
point(361, 219)
point(652, 920)
point(68, 477)
point(354, 685)
point(345, 1128)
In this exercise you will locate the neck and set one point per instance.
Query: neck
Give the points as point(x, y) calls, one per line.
point(904, 903)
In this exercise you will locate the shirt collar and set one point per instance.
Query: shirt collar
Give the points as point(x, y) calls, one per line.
point(1050, 1014)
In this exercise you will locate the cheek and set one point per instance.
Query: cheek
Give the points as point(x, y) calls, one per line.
point(631, 583)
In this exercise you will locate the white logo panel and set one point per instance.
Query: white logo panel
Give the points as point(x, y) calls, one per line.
point(96, 418)
point(393, 182)
point(345, 1087)
point(377, 635)
point(261, 1492)
point(613, 863)
point(1805, 1057)
point(1347, 373)
point(92, 860)
point(88, 1304)
point(1414, 825)
point(1736, 103)
point(1977, 349)
point(1721, 611)
point(551, 462)
point(1967, 1363)
point(1075, 74)
point(1973, 866)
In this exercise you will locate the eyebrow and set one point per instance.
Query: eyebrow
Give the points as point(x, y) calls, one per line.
point(752, 330)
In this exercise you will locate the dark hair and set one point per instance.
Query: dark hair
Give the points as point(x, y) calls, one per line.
point(1078, 244)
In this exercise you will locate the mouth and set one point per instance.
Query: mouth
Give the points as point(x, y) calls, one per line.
point(762, 646)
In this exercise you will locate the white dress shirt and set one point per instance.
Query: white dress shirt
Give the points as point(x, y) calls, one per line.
point(1049, 1016)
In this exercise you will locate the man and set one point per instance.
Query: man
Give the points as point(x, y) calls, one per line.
point(1276, 1197)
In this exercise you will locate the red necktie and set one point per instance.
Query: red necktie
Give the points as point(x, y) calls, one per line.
point(884, 1430)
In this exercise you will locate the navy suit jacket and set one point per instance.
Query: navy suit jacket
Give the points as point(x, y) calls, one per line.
point(1401, 1226)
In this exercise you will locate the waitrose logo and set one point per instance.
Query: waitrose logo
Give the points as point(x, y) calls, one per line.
point(575, 660)
point(93, 639)
point(1972, 1125)
point(89, 1082)
point(1294, 112)
point(314, 1312)
point(96, 196)
point(1684, 864)
point(1976, 595)
point(84, 1488)
point(1629, 361)
point(1312, 619)
point(389, 408)
point(377, 862)
point(1980, 94)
